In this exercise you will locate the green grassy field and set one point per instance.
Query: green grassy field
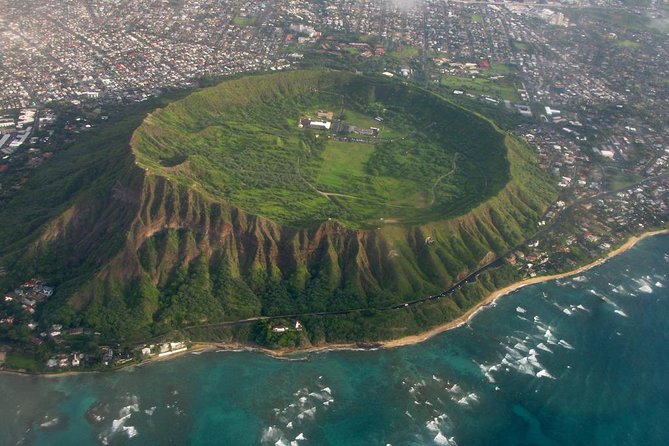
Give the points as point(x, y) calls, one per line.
point(661, 25)
point(627, 44)
point(240, 142)
point(344, 162)
point(242, 21)
point(520, 46)
point(405, 53)
point(503, 88)
point(21, 361)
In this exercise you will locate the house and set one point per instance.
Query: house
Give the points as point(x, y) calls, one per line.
point(320, 125)
point(279, 329)
point(326, 115)
point(298, 326)
point(107, 355)
point(45, 290)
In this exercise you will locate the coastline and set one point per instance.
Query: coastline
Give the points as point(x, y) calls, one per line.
point(469, 314)
point(463, 319)
point(492, 297)
point(200, 347)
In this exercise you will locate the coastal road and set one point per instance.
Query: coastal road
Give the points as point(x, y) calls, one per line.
point(497, 261)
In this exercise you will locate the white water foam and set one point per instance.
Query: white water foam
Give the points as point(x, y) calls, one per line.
point(591, 291)
point(454, 389)
point(49, 423)
point(543, 347)
point(130, 431)
point(486, 372)
point(646, 288)
point(620, 312)
point(125, 413)
point(309, 413)
point(442, 440)
point(274, 435)
point(432, 425)
point(549, 336)
point(565, 344)
point(543, 373)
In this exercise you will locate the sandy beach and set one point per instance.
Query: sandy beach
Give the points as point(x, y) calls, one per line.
point(414, 339)
point(407, 340)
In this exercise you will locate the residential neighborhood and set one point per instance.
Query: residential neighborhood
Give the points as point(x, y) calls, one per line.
point(584, 84)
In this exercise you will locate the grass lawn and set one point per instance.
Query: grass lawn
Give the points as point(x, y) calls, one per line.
point(501, 69)
point(405, 54)
point(617, 179)
point(520, 46)
point(344, 161)
point(244, 21)
point(499, 88)
point(661, 25)
point(239, 141)
point(627, 44)
point(22, 361)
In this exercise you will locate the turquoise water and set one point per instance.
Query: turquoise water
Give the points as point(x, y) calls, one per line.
point(582, 361)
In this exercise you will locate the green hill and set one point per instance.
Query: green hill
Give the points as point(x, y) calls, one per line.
point(219, 207)
point(241, 141)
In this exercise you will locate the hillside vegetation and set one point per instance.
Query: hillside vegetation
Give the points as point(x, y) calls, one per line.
point(240, 141)
point(166, 235)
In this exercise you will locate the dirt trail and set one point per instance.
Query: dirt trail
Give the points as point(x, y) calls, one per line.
point(434, 186)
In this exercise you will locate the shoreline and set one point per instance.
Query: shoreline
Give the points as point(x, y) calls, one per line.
point(200, 347)
point(492, 297)
point(455, 323)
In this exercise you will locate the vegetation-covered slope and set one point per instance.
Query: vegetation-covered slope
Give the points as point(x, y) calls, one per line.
point(156, 247)
point(241, 141)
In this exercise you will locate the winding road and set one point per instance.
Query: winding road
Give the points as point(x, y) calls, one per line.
point(457, 285)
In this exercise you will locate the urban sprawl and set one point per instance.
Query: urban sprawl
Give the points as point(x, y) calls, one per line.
point(585, 83)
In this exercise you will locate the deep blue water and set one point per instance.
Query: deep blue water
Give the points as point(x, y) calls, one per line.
point(581, 361)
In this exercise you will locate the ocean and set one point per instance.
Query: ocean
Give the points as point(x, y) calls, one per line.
point(578, 361)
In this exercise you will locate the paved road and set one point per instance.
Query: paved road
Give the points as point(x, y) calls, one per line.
point(470, 278)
